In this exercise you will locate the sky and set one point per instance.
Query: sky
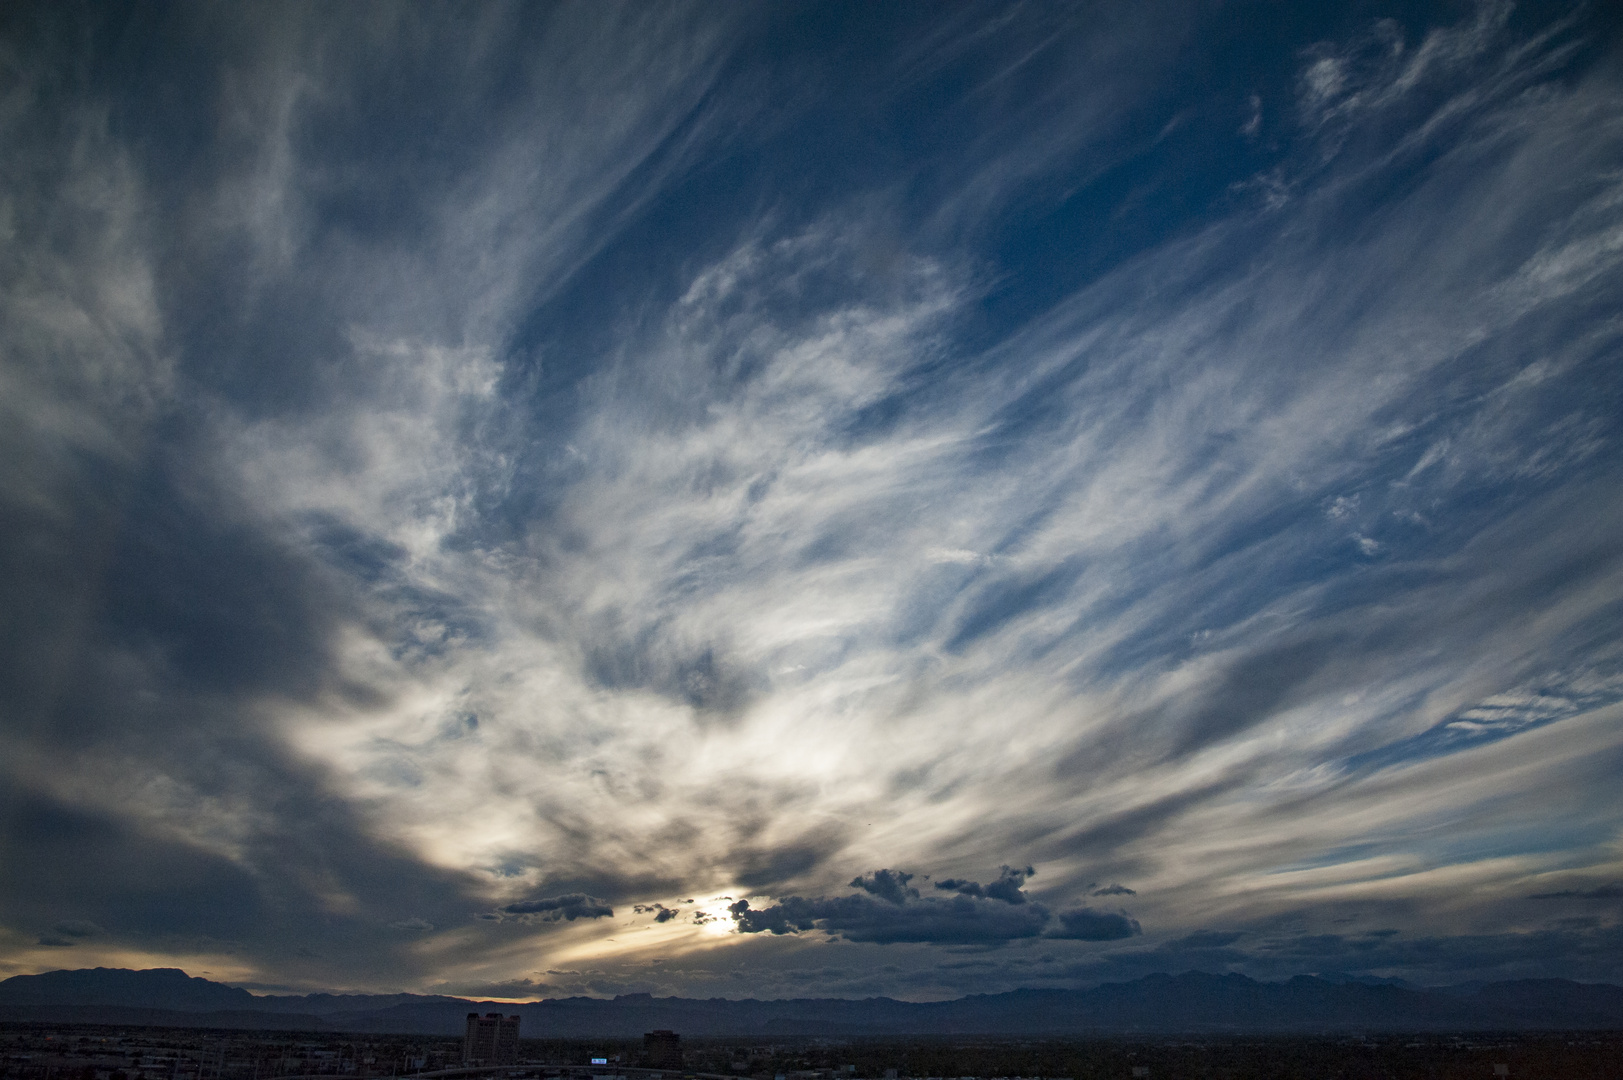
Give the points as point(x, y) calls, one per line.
point(810, 499)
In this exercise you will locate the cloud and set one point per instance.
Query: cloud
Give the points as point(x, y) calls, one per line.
point(660, 912)
point(1086, 924)
point(68, 933)
point(425, 494)
point(77, 928)
point(961, 920)
point(792, 857)
point(889, 885)
point(508, 988)
point(1612, 891)
point(570, 906)
point(888, 912)
point(1204, 939)
point(1006, 888)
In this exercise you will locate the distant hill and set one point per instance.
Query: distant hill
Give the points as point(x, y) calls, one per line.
point(1191, 1002)
point(165, 988)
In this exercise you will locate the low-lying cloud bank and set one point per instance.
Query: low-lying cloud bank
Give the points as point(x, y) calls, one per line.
point(570, 906)
point(889, 910)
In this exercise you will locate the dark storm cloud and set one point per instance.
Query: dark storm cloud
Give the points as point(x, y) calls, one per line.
point(960, 920)
point(1086, 924)
point(1006, 888)
point(660, 912)
point(889, 911)
point(889, 885)
point(570, 906)
point(1113, 890)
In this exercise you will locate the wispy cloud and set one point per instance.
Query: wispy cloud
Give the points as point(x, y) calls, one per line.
point(500, 524)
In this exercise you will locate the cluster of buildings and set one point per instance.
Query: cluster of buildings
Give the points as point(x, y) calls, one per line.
point(492, 1039)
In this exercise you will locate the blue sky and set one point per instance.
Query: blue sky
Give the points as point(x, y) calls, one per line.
point(788, 499)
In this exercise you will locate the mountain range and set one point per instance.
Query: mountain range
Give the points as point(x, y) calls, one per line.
point(1190, 1002)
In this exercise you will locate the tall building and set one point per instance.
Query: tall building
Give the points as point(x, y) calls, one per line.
point(663, 1049)
point(491, 1039)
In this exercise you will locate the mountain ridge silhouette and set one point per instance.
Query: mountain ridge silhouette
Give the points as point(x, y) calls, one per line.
point(1193, 1001)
